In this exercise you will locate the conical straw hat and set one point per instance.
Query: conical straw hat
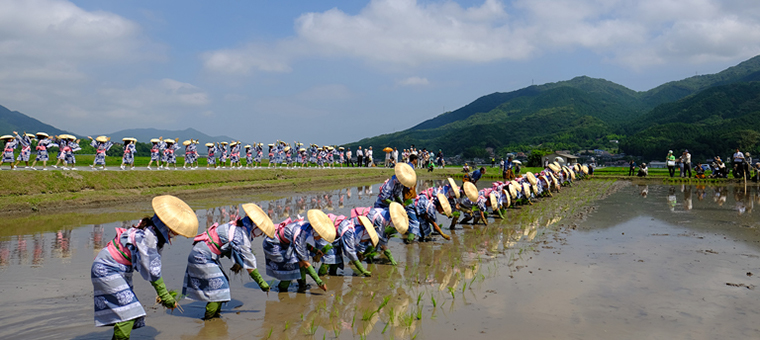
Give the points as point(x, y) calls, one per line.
point(554, 168)
point(101, 139)
point(42, 134)
point(287, 148)
point(554, 179)
point(506, 196)
point(526, 189)
point(370, 229)
point(247, 146)
point(129, 139)
point(454, 186)
point(399, 217)
point(513, 185)
point(535, 189)
point(155, 140)
point(494, 201)
point(471, 191)
point(259, 218)
point(406, 175)
point(531, 178)
point(209, 144)
point(572, 173)
point(4, 137)
point(444, 204)
point(585, 169)
point(176, 215)
point(322, 224)
point(187, 142)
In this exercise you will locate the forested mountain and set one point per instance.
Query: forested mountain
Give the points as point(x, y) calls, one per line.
point(712, 122)
point(576, 114)
point(16, 121)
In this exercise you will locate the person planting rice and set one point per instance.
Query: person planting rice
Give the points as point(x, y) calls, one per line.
point(155, 151)
point(386, 222)
point(101, 144)
point(204, 278)
point(392, 190)
point(44, 142)
point(353, 234)
point(427, 209)
point(287, 254)
point(474, 176)
point(471, 205)
point(137, 249)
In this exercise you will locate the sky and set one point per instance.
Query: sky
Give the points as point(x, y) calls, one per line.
point(332, 72)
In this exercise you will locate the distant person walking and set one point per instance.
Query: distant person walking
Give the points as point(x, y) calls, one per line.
point(671, 161)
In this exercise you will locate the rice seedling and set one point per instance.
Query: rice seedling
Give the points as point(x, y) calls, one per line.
point(391, 315)
point(353, 320)
point(367, 314)
point(301, 316)
point(336, 332)
point(385, 328)
point(464, 286)
point(384, 303)
point(312, 329)
point(287, 325)
point(433, 300)
point(451, 291)
point(269, 335)
point(419, 297)
point(419, 313)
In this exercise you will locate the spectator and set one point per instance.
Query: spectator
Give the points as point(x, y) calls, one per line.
point(631, 168)
point(643, 171)
point(395, 155)
point(507, 173)
point(360, 157)
point(699, 171)
point(671, 160)
point(738, 158)
point(368, 158)
point(349, 160)
point(388, 159)
point(686, 163)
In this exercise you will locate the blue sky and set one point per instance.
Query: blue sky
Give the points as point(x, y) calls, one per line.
point(331, 72)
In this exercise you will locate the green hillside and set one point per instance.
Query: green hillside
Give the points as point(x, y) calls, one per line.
point(580, 113)
point(712, 122)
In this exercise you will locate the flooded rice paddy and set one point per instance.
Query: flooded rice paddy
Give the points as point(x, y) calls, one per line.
point(599, 260)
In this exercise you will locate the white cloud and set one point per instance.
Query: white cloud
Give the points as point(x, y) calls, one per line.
point(410, 33)
point(411, 81)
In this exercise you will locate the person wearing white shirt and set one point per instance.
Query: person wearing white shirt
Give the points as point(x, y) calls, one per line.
point(368, 159)
point(359, 157)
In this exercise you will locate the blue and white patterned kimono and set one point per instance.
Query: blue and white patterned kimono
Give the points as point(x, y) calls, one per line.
point(62, 143)
point(162, 150)
point(111, 274)
point(10, 146)
point(193, 152)
point(211, 158)
point(283, 252)
point(381, 219)
point(155, 153)
point(321, 157)
point(468, 207)
point(289, 157)
point(313, 153)
point(334, 255)
point(248, 156)
point(223, 153)
point(73, 146)
point(204, 278)
point(129, 154)
point(279, 154)
point(26, 147)
point(171, 157)
point(304, 158)
point(259, 154)
point(235, 154)
point(353, 238)
point(42, 146)
point(189, 153)
point(424, 209)
point(100, 151)
point(391, 189)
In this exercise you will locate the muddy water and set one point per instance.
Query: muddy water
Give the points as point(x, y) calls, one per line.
point(643, 262)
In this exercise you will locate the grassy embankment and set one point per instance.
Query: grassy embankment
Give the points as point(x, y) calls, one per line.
point(27, 191)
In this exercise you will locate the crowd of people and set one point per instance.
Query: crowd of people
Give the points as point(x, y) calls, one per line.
point(293, 247)
point(164, 153)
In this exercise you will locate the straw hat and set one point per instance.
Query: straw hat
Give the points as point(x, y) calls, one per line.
point(406, 175)
point(302, 149)
point(169, 141)
point(399, 217)
point(30, 135)
point(513, 185)
point(67, 136)
point(129, 139)
point(471, 191)
point(287, 148)
point(585, 169)
point(271, 145)
point(554, 179)
point(531, 178)
point(535, 189)
point(341, 148)
point(101, 139)
point(42, 134)
point(322, 224)
point(444, 204)
point(454, 186)
point(176, 215)
point(370, 229)
point(572, 173)
point(247, 146)
point(4, 137)
point(506, 195)
point(224, 143)
point(234, 143)
point(554, 167)
point(494, 201)
point(259, 218)
point(526, 189)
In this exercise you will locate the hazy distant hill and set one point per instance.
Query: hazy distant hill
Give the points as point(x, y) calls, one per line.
point(579, 113)
point(16, 121)
point(145, 135)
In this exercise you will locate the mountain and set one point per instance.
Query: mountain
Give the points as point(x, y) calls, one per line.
point(575, 114)
point(712, 122)
point(145, 135)
point(16, 121)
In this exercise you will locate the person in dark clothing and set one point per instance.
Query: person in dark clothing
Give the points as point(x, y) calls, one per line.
point(631, 168)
